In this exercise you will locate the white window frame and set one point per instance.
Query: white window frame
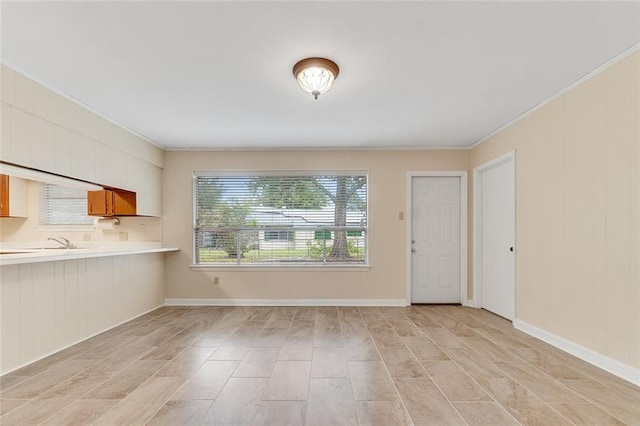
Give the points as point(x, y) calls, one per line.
point(311, 266)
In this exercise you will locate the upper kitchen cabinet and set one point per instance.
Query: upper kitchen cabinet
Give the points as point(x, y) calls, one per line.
point(111, 202)
point(13, 197)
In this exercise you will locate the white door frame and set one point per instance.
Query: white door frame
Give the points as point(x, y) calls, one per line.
point(477, 221)
point(462, 174)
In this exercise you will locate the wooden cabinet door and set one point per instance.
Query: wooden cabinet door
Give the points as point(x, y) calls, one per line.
point(4, 195)
point(97, 203)
point(111, 202)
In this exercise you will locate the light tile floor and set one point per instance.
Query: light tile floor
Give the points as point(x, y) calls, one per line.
point(316, 366)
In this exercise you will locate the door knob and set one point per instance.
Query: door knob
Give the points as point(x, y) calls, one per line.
point(413, 241)
point(510, 248)
point(413, 250)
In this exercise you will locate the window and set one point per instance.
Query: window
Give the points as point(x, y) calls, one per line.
point(288, 218)
point(279, 235)
point(64, 206)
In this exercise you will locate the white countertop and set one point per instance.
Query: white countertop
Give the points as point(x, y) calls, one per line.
point(15, 253)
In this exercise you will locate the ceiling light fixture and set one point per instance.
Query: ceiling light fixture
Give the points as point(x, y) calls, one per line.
point(315, 75)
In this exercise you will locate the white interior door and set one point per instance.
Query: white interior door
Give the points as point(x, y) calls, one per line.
point(497, 238)
point(435, 239)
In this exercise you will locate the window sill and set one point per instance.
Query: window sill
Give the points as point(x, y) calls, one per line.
point(282, 268)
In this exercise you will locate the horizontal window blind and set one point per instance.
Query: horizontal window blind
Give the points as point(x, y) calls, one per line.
point(288, 218)
point(65, 206)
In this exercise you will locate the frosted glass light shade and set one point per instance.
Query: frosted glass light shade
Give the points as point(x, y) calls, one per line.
point(316, 75)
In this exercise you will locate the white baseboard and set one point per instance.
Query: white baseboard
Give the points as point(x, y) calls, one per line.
point(285, 302)
point(626, 372)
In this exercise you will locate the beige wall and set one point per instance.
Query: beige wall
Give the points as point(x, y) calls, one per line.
point(387, 234)
point(578, 195)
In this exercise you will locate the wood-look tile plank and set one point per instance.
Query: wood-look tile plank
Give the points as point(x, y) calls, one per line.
point(329, 362)
point(238, 402)
point(586, 414)
point(7, 405)
point(301, 328)
point(623, 405)
point(47, 403)
point(374, 320)
point(546, 388)
point(404, 327)
point(289, 381)
point(484, 413)
point(327, 337)
point(401, 363)
point(81, 412)
point(123, 383)
point(549, 365)
point(208, 381)
point(386, 337)
point(230, 353)
point(107, 349)
point(44, 364)
point(455, 383)
point(330, 388)
point(361, 348)
point(424, 349)
point(41, 383)
point(306, 314)
point(322, 412)
point(140, 405)
point(295, 353)
point(371, 382)
point(165, 352)
point(271, 337)
point(185, 412)
point(444, 338)
point(258, 362)
point(8, 381)
point(522, 404)
point(475, 365)
point(108, 367)
point(186, 363)
point(275, 322)
point(488, 349)
point(288, 413)
point(426, 404)
point(424, 321)
point(382, 413)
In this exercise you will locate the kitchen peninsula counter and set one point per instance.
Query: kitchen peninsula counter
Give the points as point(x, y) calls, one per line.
point(14, 254)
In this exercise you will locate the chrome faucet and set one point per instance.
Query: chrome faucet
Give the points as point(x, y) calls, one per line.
point(65, 243)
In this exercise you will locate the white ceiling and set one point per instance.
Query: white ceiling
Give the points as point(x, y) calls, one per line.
point(218, 74)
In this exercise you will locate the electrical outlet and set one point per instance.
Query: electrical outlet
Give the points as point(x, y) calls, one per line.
point(143, 227)
point(216, 280)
